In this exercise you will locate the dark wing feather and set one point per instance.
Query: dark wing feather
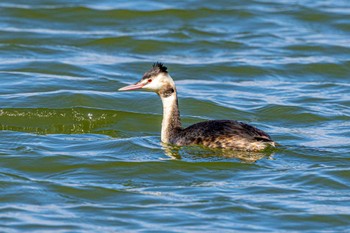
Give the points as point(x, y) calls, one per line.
point(222, 133)
point(256, 133)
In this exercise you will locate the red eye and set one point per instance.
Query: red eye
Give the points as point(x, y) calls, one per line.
point(149, 80)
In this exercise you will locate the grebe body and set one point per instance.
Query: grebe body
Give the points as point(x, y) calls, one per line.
point(225, 134)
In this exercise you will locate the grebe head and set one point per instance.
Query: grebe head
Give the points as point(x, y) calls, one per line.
point(156, 79)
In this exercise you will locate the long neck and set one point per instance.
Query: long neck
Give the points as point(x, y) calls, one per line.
point(171, 123)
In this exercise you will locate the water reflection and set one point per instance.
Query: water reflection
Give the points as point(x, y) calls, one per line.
point(200, 152)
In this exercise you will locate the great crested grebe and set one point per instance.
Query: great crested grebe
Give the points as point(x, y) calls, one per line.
point(225, 134)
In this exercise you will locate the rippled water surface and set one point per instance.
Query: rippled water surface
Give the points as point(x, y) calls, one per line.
point(77, 155)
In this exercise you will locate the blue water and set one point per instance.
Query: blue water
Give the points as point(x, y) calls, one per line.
point(76, 155)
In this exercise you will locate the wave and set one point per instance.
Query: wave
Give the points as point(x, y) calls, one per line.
point(76, 120)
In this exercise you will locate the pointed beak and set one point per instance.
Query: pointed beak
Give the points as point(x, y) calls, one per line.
point(132, 87)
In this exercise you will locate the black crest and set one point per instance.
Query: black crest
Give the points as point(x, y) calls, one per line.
point(156, 69)
point(160, 66)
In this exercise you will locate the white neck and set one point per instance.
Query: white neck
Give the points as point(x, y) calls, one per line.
point(171, 118)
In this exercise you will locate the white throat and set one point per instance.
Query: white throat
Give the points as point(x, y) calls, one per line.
point(170, 111)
